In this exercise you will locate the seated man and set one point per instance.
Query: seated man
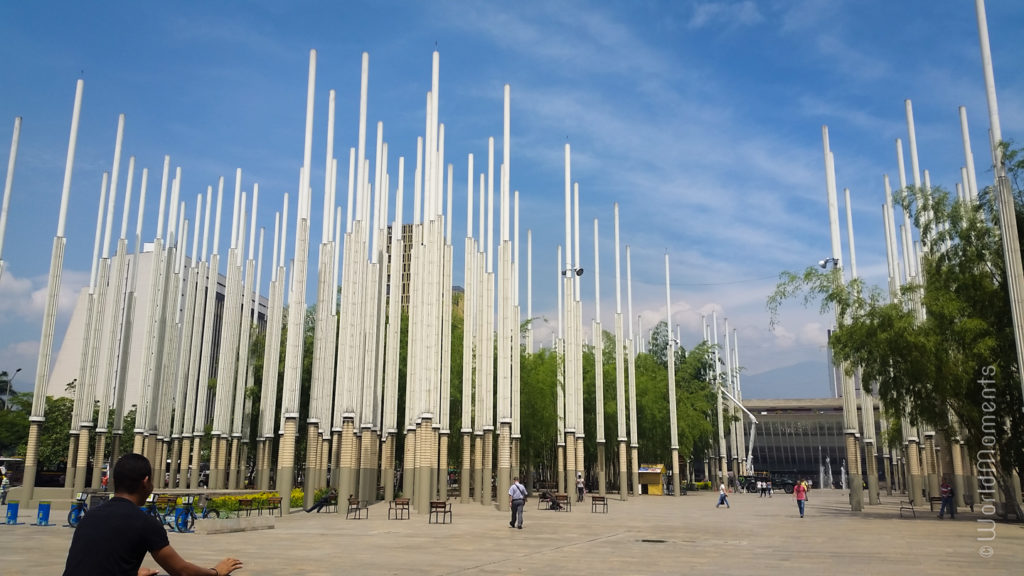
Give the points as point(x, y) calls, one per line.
point(114, 538)
point(546, 495)
point(324, 501)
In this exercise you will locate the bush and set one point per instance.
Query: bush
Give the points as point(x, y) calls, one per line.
point(295, 501)
point(225, 505)
point(320, 493)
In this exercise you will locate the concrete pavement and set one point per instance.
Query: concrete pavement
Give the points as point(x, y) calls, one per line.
point(646, 535)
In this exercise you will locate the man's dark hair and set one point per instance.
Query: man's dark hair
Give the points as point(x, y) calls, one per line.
point(130, 472)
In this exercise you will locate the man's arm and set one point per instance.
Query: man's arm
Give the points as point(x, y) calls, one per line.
point(169, 559)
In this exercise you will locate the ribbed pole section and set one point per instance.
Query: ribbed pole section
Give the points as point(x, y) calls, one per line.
point(8, 183)
point(620, 372)
point(50, 313)
point(631, 373)
point(296, 307)
point(671, 352)
point(1007, 224)
point(848, 392)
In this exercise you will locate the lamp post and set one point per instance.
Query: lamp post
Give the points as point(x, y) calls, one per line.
point(849, 407)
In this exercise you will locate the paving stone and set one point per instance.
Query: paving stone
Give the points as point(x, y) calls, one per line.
point(645, 535)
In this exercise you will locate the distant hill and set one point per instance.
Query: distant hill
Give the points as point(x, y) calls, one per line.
point(802, 380)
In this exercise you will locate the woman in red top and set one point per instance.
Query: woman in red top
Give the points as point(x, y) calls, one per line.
point(800, 491)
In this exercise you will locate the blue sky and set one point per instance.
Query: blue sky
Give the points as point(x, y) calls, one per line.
point(702, 119)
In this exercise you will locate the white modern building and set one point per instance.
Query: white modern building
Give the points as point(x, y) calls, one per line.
point(66, 366)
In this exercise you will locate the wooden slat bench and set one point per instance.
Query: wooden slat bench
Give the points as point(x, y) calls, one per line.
point(165, 504)
point(400, 508)
point(357, 509)
point(440, 512)
point(245, 505)
point(273, 503)
point(599, 502)
point(564, 502)
point(932, 501)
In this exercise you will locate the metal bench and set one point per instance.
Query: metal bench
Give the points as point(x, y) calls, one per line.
point(907, 506)
point(273, 503)
point(400, 508)
point(440, 512)
point(357, 509)
point(245, 505)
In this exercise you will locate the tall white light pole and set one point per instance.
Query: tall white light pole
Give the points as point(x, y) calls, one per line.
point(631, 370)
point(849, 396)
point(620, 373)
point(50, 312)
point(599, 366)
point(8, 183)
point(671, 353)
point(1007, 224)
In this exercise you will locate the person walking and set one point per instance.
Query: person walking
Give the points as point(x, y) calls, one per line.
point(722, 498)
point(946, 492)
point(579, 487)
point(516, 499)
point(5, 485)
point(113, 539)
point(800, 492)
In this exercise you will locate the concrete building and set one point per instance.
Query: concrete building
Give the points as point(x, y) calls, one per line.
point(796, 437)
point(406, 276)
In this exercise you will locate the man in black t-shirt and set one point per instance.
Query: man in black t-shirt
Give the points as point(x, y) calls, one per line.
point(115, 537)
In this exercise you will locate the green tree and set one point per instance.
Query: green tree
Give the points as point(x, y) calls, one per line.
point(943, 352)
point(53, 438)
point(538, 411)
point(14, 424)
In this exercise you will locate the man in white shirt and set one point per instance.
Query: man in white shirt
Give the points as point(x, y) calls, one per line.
point(516, 498)
point(722, 498)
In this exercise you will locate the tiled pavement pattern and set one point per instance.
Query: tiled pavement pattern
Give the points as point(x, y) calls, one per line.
point(646, 535)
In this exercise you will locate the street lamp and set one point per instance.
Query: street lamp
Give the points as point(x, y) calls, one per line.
point(10, 383)
point(824, 263)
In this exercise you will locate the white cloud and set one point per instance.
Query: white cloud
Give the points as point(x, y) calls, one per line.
point(22, 355)
point(24, 299)
point(729, 14)
point(813, 334)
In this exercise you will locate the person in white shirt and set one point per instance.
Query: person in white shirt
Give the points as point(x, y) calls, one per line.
point(722, 498)
point(516, 499)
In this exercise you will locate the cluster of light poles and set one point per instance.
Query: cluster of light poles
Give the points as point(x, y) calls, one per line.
point(918, 472)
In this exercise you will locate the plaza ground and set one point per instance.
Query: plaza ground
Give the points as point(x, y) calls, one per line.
point(645, 535)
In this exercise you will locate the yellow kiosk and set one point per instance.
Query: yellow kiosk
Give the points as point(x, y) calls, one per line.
point(651, 476)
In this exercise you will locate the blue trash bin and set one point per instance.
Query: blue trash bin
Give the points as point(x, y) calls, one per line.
point(43, 514)
point(12, 511)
